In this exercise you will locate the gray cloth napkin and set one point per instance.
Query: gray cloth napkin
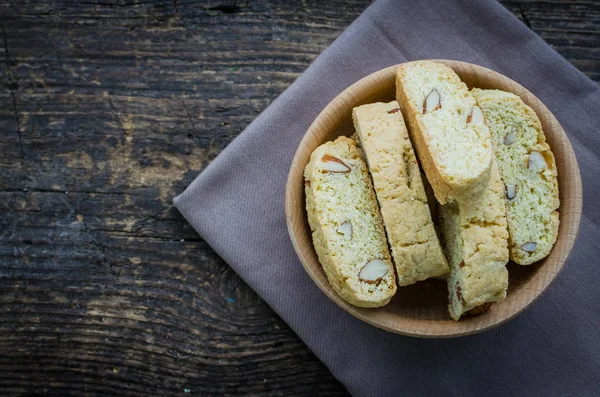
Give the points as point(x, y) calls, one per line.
point(237, 206)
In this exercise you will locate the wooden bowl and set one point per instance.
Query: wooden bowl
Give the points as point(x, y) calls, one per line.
point(422, 309)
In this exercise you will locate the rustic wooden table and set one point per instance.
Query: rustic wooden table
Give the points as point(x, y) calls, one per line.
point(108, 110)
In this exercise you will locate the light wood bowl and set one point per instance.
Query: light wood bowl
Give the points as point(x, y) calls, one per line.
point(422, 309)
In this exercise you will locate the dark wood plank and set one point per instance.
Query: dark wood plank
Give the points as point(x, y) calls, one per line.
point(571, 27)
point(107, 110)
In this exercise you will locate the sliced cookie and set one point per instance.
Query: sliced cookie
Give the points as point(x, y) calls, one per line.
point(447, 129)
point(528, 170)
point(476, 244)
point(347, 229)
point(416, 250)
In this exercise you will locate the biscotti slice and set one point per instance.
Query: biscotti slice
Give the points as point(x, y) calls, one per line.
point(447, 129)
point(346, 225)
point(416, 250)
point(476, 243)
point(528, 170)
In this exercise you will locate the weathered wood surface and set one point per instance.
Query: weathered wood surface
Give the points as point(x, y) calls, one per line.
point(107, 110)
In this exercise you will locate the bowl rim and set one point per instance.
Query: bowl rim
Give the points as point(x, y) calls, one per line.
point(338, 102)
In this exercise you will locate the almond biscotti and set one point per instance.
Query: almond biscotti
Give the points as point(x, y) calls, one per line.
point(528, 170)
point(416, 250)
point(447, 129)
point(476, 243)
point(347, 228)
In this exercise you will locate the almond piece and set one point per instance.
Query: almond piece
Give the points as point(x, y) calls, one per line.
point(510, 138)
point(476, 116)
point(432, 102)
point(536, 162)
point(511, 191)
point(345, 229)
point(333, 164)
point(529, 247)
point(459, 293)
point(395, 110)
point(373, 271)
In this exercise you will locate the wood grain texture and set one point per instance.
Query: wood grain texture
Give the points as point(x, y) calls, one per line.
point(107, 110)
point(421, 309)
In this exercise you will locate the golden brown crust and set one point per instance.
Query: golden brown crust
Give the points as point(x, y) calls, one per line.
point(481, 309)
